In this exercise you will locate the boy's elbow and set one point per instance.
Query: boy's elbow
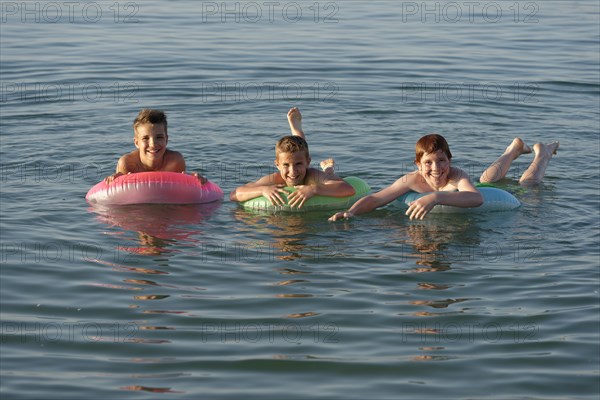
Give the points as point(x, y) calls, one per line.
point(347, 190)
point(233, 196)
point(479, 200)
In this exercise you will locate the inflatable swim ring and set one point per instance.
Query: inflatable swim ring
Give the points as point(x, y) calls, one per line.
point(316, 203)
point(494, 199)
point(152, 188)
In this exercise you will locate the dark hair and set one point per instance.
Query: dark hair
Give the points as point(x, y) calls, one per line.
point(148, 116)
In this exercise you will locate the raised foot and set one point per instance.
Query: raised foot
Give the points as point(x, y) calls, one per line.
point(328, 166)
point(295, 120)
point(546, 150)
point(517, 147)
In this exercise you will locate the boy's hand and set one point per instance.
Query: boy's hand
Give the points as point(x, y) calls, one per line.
point(341, 215)
point(302, 193)
point(108, 180)
point(273, 194)
point(419, 208)
point(202, 179)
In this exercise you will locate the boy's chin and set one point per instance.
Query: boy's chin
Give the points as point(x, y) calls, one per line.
point(295, 182)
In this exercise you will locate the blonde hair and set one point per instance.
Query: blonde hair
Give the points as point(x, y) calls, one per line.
point(149, 116)
point(291, 144)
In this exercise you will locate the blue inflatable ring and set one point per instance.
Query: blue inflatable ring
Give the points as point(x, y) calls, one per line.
point(494, 199)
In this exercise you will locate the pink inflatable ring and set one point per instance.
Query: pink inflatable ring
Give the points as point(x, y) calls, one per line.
point(153, 188)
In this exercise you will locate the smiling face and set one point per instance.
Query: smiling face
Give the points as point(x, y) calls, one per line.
point(292, 167)
point(434, 168)
point(151, 140)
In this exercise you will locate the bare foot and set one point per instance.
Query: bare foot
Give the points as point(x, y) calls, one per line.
point(295, 120)
point(536, 171)
point(499, 168)
point(328, 166)
point(516, 148)
point(545, 151)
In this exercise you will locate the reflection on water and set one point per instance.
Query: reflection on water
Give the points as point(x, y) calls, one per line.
point(156, 225)
point(151, 389)
point(434, 245)
point(435, 242)
point(158, 229)
point(288, 233)
point(291, 239)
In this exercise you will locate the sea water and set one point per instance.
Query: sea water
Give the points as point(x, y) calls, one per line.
point(212, 301)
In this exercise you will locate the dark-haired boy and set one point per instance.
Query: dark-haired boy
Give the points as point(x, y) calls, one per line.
point(150, 139)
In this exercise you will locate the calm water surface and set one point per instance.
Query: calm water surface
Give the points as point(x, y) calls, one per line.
point(214, 302)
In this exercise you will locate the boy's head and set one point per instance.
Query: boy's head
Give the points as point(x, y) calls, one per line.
point(433, 160)
point(152, 117)
point(292, 159)
point(150, 135)
point(430, 144)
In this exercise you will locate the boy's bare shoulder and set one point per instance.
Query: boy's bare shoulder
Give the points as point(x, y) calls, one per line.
point(315, 176)
point(456, 174)
point(129, 162)
point(173, 161)
point(412, 181)
point(270, 179)
point(173, 152)
point(410, 178)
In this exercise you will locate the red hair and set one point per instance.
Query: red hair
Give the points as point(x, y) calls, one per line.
point(430, 144)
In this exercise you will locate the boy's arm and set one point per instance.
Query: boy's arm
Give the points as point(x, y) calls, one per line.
point(467, 196)
point(323, 185)
point(121, 169)
point(266, 186)
point(125, 165)
point(379, 199)
point(176, 163)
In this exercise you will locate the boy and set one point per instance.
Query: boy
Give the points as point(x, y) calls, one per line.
point(292, 160)
point(534, 174)
point(150, 137)
point(450, 186)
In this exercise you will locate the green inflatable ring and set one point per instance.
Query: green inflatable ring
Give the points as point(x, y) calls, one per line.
point(316, 203)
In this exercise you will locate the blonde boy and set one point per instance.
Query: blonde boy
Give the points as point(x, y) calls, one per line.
point(292, 160)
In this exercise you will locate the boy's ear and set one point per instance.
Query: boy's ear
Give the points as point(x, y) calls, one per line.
point(135, 141)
